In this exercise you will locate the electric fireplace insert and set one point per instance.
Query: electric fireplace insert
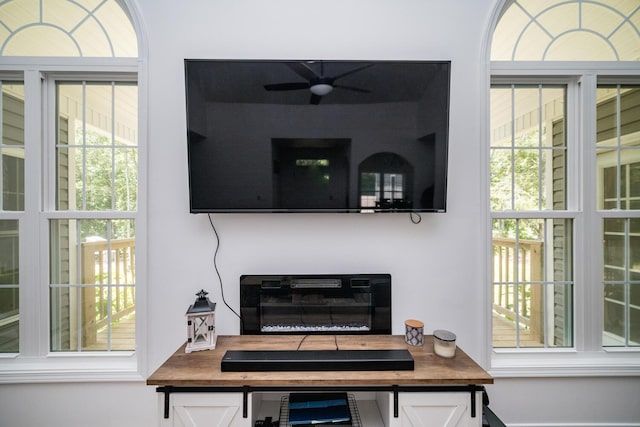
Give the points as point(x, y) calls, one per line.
point(315, 304)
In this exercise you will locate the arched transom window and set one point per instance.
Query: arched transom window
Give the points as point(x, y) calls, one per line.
point(573, 30)
point(69, 28)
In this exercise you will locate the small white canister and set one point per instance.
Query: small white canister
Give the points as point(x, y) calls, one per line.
point(444, 343)
point(414, 332)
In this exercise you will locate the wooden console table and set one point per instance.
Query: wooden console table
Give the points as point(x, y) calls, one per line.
point(200, 371)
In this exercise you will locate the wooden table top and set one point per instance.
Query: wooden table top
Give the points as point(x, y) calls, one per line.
point(202, 368)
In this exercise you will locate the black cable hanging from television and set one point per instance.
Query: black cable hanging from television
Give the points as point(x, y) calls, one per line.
point(215, 266)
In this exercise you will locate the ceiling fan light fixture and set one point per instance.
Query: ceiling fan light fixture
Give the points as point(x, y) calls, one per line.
point(320, 89)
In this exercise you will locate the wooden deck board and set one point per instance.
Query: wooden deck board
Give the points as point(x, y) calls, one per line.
point(504, 335)
point(123, 336)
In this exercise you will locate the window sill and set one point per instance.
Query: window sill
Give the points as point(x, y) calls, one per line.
point(564, 363)
point(85, 367)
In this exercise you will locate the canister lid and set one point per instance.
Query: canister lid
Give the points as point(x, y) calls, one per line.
point(412, 323)
point(444, 335)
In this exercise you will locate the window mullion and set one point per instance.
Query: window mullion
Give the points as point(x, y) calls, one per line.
point(33, 318)
point(84, 146)
point(78, 290)
point(541, 202)
point(110, 282)
point(588, 263)
point(627, 278)
point(49, 147)
point(113, 146)
point(619, 173)
point(548, 237)
point(517, 282)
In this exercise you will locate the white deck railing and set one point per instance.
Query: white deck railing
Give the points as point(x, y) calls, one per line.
point(112, 264)
point(521, 304)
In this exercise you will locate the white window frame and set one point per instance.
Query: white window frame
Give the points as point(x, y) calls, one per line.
point(35, 362)
point(587, 357)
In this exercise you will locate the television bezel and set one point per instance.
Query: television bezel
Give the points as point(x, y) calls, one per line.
point(362, 210)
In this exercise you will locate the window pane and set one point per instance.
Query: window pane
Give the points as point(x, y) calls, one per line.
point(383, 181)
point(369, 189)
point(618, 147)
point(12, 146)
point(528, 148)
point(618, 160)
point(532, 283)
point(501, 115)
point(97, 155)
point(504, 329)
point(529, 172)
point(9, 290)
point(614, 250)
point(621, 250)
point(393, 186)
point(614, 324)
point(126, 179)
point(92, 285)
point(621, 315)
point(617, 112)
point(501, 170)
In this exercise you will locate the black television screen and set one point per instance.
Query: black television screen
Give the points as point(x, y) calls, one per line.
point(317, 136)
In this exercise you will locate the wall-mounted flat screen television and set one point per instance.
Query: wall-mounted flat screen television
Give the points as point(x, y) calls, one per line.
point(317, 136)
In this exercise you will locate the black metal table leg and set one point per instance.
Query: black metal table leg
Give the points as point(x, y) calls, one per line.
point(396, 405)
point(473, 402)
point(245, 402)
point(167, 394)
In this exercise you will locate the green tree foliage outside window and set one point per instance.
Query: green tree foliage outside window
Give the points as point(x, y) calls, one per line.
point(110, 180)
point(515, 179)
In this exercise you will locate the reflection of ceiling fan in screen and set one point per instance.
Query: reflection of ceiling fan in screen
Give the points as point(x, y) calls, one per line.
point(318, 84)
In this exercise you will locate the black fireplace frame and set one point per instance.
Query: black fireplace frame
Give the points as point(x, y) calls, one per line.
point(373, 288)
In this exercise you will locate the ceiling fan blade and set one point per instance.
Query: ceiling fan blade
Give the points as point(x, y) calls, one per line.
point(355, 70)
point(303, 70)
point(352, 88)
point(287, 86)
point(315, 99)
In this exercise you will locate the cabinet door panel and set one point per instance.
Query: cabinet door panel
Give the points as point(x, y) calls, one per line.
point(206, 409)
point(437, 410)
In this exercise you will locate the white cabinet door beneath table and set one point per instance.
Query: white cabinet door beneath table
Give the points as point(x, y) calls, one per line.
point(205, 409)
point(439, 410)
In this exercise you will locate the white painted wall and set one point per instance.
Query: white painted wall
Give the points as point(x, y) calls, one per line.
point(436, 269)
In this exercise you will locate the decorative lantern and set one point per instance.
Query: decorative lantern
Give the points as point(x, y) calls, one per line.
point(201, 327)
